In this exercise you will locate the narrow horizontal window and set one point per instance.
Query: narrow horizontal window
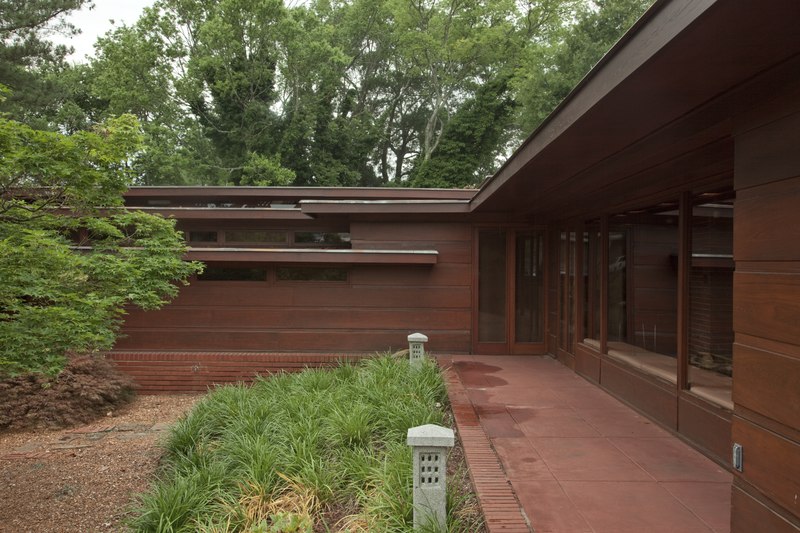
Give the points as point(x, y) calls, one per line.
point(310, 274)
point(202, 236)
point(322, 238)
point(233, 274)
point(263, 236)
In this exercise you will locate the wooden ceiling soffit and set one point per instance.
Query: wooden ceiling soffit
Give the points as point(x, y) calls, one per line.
point(669, 67)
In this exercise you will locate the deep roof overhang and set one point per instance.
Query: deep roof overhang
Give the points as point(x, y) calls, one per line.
point(655, 115)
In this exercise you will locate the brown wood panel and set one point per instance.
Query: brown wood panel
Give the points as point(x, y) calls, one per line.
point(767, 383)
point(446, 275)
point(587, 362)
point(767, 222)
point(449, 251)
point(767, 305)
point(201, 317)
point(782, 100)
point(368, 340)
point(314, 256)
point(750, 515)
point(770, 463)
point(706, 426)
point(640, 391)
point(768, 153)
point(320, 295)
point(410, 232)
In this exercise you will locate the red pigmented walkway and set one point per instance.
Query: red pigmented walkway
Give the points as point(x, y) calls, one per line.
point(550, 452)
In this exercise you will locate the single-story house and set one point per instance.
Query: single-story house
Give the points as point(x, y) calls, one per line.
point(647, 235)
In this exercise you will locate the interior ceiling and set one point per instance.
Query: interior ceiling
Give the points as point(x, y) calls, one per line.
point(665, 127)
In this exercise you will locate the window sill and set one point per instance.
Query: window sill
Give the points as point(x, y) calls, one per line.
point(705, 384)
point(654, 364)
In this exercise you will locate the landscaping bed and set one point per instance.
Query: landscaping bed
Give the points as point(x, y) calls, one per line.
point(322, 450)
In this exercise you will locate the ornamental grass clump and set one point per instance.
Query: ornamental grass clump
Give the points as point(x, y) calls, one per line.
point(321, 450)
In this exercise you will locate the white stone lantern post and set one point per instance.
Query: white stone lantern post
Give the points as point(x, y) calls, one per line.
point(429, 446)
point(416, 349)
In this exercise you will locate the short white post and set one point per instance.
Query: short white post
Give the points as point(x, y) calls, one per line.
point(429, 445)
point(416, 348)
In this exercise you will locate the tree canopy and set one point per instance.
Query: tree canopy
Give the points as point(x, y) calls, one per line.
point(330, 92)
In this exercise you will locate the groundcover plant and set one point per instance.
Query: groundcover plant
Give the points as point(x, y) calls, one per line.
point(321, 450)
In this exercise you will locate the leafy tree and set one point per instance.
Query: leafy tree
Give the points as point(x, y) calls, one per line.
point(29, 63)
point(58, 191)
point(552, 69)
point(471, 140)
point(341, 92)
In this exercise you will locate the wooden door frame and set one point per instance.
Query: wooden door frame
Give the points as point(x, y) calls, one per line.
point(510, 345)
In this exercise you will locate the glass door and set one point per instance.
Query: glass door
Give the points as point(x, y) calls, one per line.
point(510, 291)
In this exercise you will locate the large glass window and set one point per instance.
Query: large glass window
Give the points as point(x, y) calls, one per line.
point(566, 268)
point(322, 238)
point(618, 284)
point(214, 273)
point(711, 298)
point(492, 285)
point(643, 288)
point(529, 288)
point(202, 236)
point(256, 236)
point(592, 281)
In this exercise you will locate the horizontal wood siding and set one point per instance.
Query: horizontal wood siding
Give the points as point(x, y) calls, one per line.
point(374, 310)
point(766, 362)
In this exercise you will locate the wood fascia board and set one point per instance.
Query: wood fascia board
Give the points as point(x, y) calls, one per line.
point(663, 22)
point(310, 255)
point(300, 192)
point(225, 213)
point(399, 207)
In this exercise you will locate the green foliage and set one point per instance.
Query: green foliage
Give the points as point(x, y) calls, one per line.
point(471, 141)
point(30, 64)
point(324, 93)
point(277, 455)
point(263, 170)
point(553, 69)
point(56, 298)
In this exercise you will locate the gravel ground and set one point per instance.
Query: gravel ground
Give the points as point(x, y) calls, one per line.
point(83, 479)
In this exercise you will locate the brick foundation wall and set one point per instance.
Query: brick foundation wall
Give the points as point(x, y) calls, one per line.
point(182, 372)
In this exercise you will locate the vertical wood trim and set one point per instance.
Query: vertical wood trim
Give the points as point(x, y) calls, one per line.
point(511, 289)
point(604, 284)
point(580, 334)
point(474, 296)
point(591, 281)
point(684, 263)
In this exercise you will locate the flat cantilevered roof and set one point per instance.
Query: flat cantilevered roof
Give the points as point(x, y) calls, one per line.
point(658, 107)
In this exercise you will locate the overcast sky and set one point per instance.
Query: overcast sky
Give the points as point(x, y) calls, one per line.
point(96, 22)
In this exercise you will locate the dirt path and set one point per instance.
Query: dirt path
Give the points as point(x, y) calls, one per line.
point(83, 479)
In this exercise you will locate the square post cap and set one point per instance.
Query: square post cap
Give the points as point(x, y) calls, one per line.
point(417, 337)
point(431, 435)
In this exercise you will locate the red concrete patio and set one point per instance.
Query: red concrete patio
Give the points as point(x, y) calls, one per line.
point(551, 452)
